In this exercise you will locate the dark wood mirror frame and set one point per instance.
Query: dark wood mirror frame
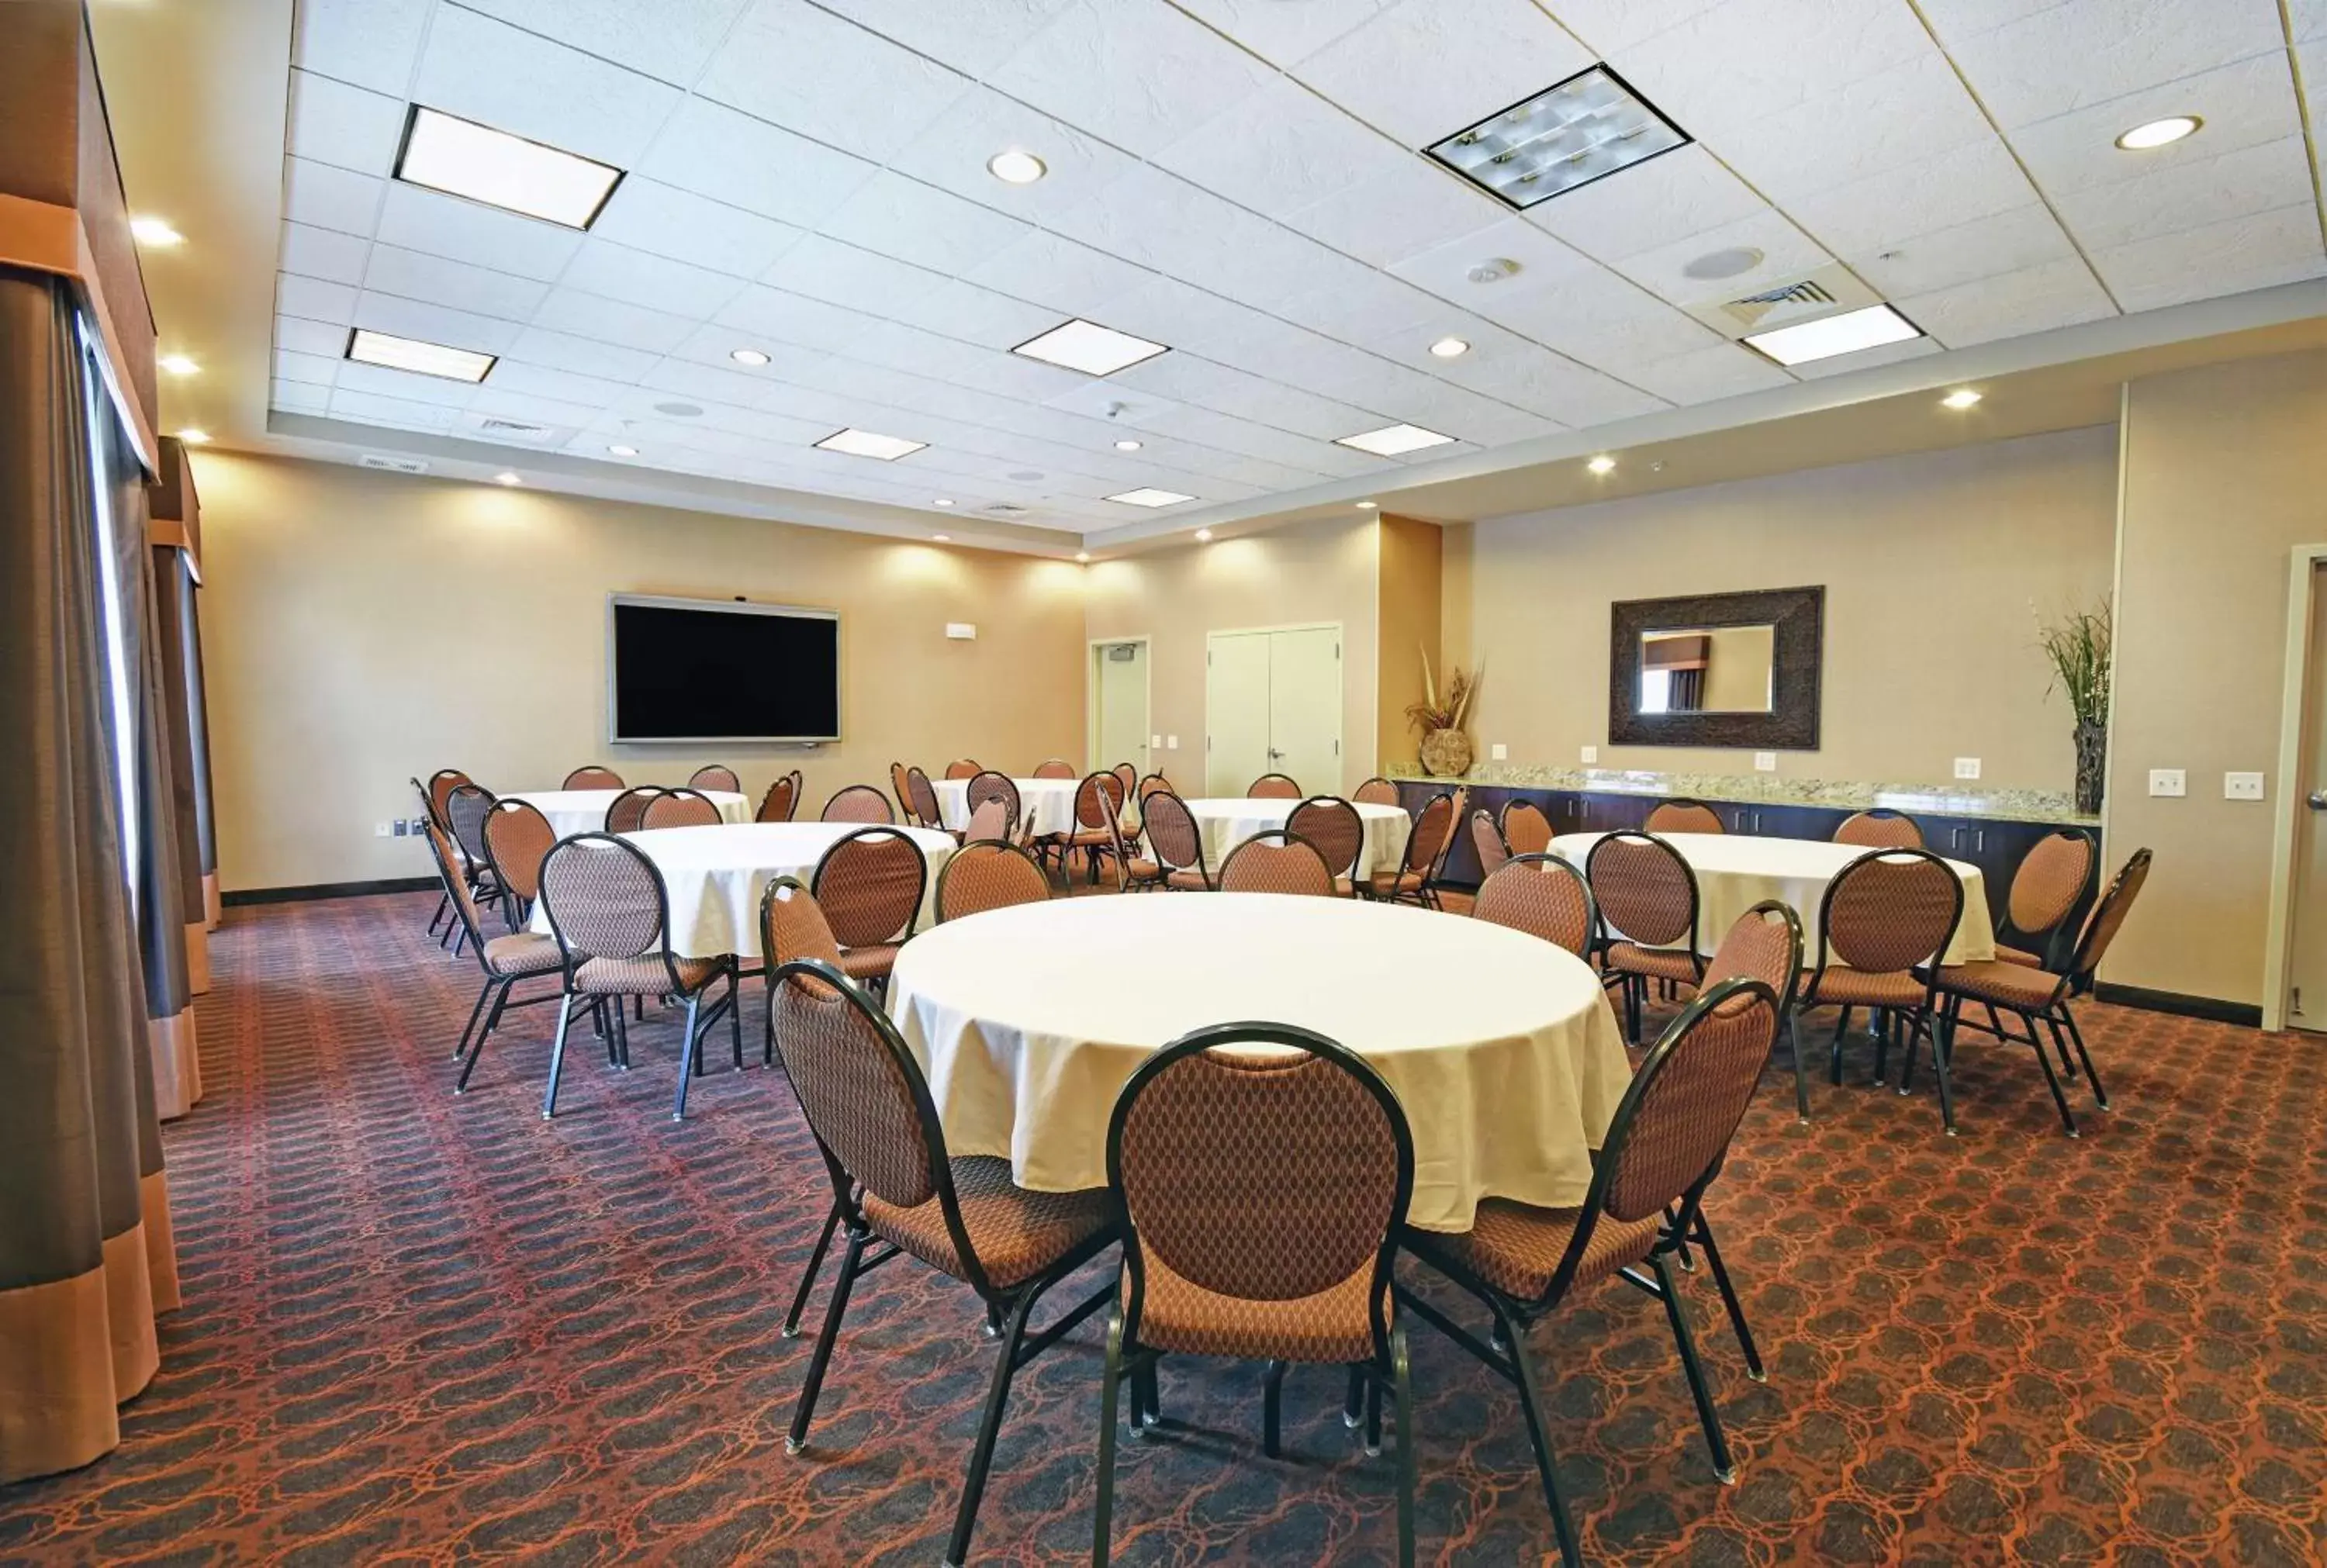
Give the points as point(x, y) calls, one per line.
point(1797, 655)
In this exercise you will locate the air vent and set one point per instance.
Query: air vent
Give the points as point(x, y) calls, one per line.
point(492, 426)
point(1753, 309)
point(1823, 292)
point(391, 464)
point(1004, 509)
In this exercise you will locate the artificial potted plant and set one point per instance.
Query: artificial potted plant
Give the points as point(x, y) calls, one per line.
point(2078, 646)
point(1446, 751)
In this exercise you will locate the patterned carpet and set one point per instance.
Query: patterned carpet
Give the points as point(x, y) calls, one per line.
point(428, 1329)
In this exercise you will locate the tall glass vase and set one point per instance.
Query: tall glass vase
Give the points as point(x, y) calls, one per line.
point(2092, 766)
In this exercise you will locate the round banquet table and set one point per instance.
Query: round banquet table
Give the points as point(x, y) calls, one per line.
point(716, 875)
point(1226, 823)
point(572, 811)
point(1734, 872)
point(1051, 801)
point(1501, 1047)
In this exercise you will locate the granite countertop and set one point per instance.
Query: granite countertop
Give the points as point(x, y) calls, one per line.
point(2051, 806)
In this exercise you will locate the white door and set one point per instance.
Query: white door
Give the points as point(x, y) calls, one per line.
point(1236, 710)
point(1119, 685)
point(2307, 968)
point(1273, 704)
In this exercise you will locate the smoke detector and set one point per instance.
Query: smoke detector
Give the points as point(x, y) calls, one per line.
point(1494, 269)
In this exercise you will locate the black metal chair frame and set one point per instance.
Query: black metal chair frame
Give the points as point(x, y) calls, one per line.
point(1110, 793)
point(1790, 1023)
point(983, 846)
point(428, 812)
point(1922, 1022)
point(1358, 817)
point(642, 793)
point(493, 999)
point(1425, 893)
point(1127, 1358)
point(2057, 942)
point(1636, 986)
point(485, 885)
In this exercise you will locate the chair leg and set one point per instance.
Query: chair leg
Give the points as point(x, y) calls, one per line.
point(444, 908)
point(1402, 1391)
point(499, 990)
point(1735, 1308)
point(460, 1046)
point(1801, 1069)
point(1353, 1407)
point(1272, 1408)
point(808, 1275)
point(989, 1426)
point(2076, 1035)
point(1841, 1027)
point(1103, 1508)
point(1373, 1417)
point(690, 1057)
point(557, 1055)
point(835, 1309)
point(1723, 1467)
point(2051, 1080)
point(1880, 1027)
point(735, 1017)
point(1942, 1067)
point(1571, 1552)
point(1633, 1008)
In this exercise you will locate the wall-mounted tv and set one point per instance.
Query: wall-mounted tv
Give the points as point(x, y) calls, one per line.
point(708, 669)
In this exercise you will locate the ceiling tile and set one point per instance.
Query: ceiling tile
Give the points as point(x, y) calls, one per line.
point(1787, 255)
point(1227, 433)
point(2258, 251)
point(299, 396)
point(1552, 384)
point(1443, 268)
point(714, 345)
point(517, 81)
point(313, 299)
point(1283, 35)
point(789, 318)
point(2119, 47)
point(1422, 71)
point(2307, 19)
point(1957, 20)
point(1051, 270)
point(974, 315)
point(1609, 27)
point(1136, 73)
point(973, 36)
point(1906, 114)
point(2053, 293)
point(2245, 105)
point(583, 356)
point(903, 218)
point(659, 283)
point(727, 155)
point(683, 227)
point(1977, 180)
point(1349, 301)
point(1410, 206)
point(1280, 149)
point(952, 156)
point(308, 370)
point(2189, 195)
point(671, 40)
point(1707, 374)
point(1157, 220)
point(2014, 241)
point(810, 71)
point(298, 334)
point(417, 275)
point(397, 413)
point(1605, 321)
point(329, 198)
point(346, 127)
point(541, 381)
point(495, 403)
point(372, 43)
point(1186, 378)
point(843, 275)
point(434, 324)
point(1726, 69)
point(1647, 206)
point(447, 226)
point(589, 315)
point(382, 381)
point(324, 253)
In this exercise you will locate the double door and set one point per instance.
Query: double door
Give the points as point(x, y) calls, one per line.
point(1273, 704)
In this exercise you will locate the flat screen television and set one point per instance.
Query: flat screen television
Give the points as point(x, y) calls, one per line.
point(709, 669)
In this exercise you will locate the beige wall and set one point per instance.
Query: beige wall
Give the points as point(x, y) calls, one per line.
point(2225, 471)
point(365, 628)
point(1931, 563)
point(1737, 669)
point(1412, 599)
point(1311, 574)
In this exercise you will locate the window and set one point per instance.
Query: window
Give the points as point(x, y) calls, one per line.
point(106, 459)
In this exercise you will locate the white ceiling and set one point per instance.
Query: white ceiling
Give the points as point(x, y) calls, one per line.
point(1236, 179)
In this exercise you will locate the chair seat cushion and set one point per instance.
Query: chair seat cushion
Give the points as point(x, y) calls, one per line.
point(523, 953)
point(1178, 1314)
point(646, 975)
point(1391, 883)
point(1861, 988)
point(1658, 963)
point(1148, 870)
point(1516, 1248)
point(1092, 838)
point(1017, 1234)
point(2006, 984)
point(2020, 955)
point(870, 961)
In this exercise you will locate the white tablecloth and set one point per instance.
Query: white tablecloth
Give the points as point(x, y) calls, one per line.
point(1226, 823)
point(716, 875)
point(1501, 1047)
point(572, 811)
point(1734, 872)
point(1051, 801)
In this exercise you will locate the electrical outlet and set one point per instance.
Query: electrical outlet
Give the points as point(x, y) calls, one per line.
point(1765, 762)
point(1154, 742)
point(1170, 742)
point(2168, 781)
point(1589, 754)
point(1966, 766)
point(2241, 785)
point(1497, 751)
point(382, 830)
point(419, 827)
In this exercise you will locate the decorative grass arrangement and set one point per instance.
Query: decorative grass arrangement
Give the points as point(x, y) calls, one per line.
point(1445, 747)
point(2078, 646)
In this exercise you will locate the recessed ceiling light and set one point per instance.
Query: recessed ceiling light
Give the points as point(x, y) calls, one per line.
point(865, 444)
point(367, 346)
point(505, 477)
point(1449, 348)
point(1393, 439)
point(1823, 339)
point(942, 538)
point(462, 158)
point(2162, 133)
point(1603, 463)
point(623, 450)
point(193, 437)
point(1016, 168)
point(1961, 398)
point(1569, 135)
point(179, 364)
point(747, 356)
point(1370, 505)
point(1126, 446)
point(1203, 536)
point(155, 233)
point(942, 502)
point(1149, 496)
point(1087, 347)
point(1083, 555)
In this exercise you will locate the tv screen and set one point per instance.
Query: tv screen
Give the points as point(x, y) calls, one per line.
point(700, 670)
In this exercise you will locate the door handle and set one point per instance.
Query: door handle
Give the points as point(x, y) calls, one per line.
point(2317, 800)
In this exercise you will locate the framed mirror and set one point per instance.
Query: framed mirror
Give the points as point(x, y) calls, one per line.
point(1717, 669)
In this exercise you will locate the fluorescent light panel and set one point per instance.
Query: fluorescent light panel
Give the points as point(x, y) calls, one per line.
point(369, 348)
point(1149, 496)
point(1393, 440)
point(1847, 334)
point(1580, 130)
point(866, 443)
point(1087, 347)
point(462, 158)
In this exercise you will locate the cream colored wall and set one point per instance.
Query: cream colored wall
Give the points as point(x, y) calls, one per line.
point(1412, 597)
point(2225, 471)
point(363, 627)
point(1310, 574)
point(1737, 669)
point(1931, 565)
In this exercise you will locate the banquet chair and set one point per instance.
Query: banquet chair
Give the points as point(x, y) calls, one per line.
point(1434, 824)
point(992, 785)
point(991, 823)
point(1647, 892)
point(432, 810)
point(517, 835)
point(989, 876)
point(1274, 787)
point(2051, 879)
point(1128, 776)
point(1175, 847)
point(441, 785)
point(869, 886)
point(924, 797)
point(2036, 996)
point(611, 912)
point(1339, 833)
point(1880, 827)
point(680, 807)
point(791, 925)
point(965, 767)
point(1276, 861)
point(1543, 895)
point(1262, 1194)
point(1375, 791)
point(627, 813)
point(1663, 1149)
point(593, 776)
point(858, 803)
point(895, 1187)
point(1098, 828)
point(1486, 839)
point(1883, 924)
point(464, 815)
point(1054, 767)
point(1683, 816)
point(1437, 877)
point(781, 799)
point(712, 776)
point(1526, 829)
point(505, 960)
point(1765, 944)
point(908, 814)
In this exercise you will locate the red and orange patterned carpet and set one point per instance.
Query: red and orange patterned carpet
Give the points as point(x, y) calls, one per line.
point(426, 1329)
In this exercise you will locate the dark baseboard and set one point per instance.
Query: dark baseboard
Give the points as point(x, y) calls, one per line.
point(356, 890)
point(2243, 1013)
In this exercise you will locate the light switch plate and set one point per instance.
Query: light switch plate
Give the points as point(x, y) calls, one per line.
point(1154, 742)
point(1497, 751)
point(1765, 762)
point(961, 630)
point(1591, 754)
point(2241, 785)
point(1966, 766)
point(1170, 742)
point(384, 830)
point(2170, 781)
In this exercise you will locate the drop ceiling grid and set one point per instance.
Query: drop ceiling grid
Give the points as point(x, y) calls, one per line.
point(1224, 211)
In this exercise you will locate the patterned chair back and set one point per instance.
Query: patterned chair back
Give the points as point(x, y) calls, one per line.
point(628, 813)
point(989, 823)
point(604, 897)
point(1173, 833)
point(1274, 787)
point(591, 776)
point(862, 1092)
point(712, 776)
point(793, 925)
point(1488, 840)
point(2109, 918)
point(870, 886)
point(465, 812)
point(1099, 801)
point(1764, 944)
point(1644, 889)
point(1434, 824)
point(858, 803)
point(992, 785)
point(924, 797)
point(680, 808)
point(2050, 881)
point(1676, 1120)
point(904, 794)
point(965, 767)
point(1128, 776)
point(989, 876)
point(456, 888)
point(1879, 829)
point(1276, 862)
point(1375, 791)
point(517, 835)
point(780, 801)
point(1542, 895)
point(441, 785)
point(1334, 826)
point(1526, 829)
point(1684, 817)
point(1054, 767)
point(1889, 911)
